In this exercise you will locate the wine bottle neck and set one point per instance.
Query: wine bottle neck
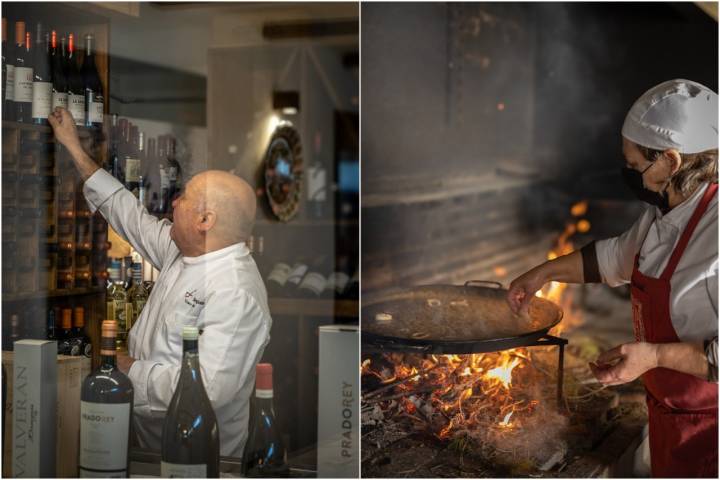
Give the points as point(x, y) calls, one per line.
point(191, 360)
point(108, 352)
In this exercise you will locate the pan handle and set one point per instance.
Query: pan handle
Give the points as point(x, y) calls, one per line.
point(469, 283)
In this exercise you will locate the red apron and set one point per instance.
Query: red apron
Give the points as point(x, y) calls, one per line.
point(682, 408)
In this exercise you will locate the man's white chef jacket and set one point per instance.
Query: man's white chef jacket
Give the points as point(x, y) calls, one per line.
point(694, 285)
point(221, 293)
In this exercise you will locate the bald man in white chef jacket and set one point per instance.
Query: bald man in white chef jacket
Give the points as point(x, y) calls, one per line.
point(208, 279)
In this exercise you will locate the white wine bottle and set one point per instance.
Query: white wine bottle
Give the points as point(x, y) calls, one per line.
point(106, 410)
point(190, 437)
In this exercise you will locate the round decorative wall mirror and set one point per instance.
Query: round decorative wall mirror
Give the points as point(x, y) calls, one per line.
point(283, 172)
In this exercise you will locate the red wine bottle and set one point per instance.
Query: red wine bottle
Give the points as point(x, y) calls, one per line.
point(106, 410)
point(190, 437)
point(59, 77)
point(42, 78)
point(76, 90)
point(94, 96)
point(8, 74)
point(23, 85)
point(264, 454)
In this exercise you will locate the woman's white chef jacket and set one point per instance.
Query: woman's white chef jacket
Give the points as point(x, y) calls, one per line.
point(694, 285)
point(220, 292)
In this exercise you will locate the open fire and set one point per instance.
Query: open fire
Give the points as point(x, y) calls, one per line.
point(501, 399)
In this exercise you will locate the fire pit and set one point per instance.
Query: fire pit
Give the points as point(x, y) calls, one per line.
point(448, 319)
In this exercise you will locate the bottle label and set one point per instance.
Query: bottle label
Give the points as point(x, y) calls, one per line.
point(96, 112)
point(337, 281)
point(280, 273)
point(23, 84)
point(119, 310)
point(104, 434)
point(315, 282)
point(176, 470)
point(164, 181)
point(172, 174)
point(10, 83)
point(59, 99)
point(76, 104)
point(297, 273)
point(41, 99)
point(132, 170)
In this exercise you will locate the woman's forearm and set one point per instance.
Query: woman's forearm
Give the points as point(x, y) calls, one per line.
point(686, 357)
point(566, 269)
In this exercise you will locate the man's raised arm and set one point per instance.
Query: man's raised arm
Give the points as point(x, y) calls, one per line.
point(149, 236)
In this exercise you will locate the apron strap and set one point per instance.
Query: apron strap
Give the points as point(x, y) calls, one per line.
point(689, 229)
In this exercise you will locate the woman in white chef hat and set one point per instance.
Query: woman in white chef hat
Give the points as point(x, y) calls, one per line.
point(670, 258)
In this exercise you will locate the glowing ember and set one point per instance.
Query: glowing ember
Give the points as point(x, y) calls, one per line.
point(583, 226)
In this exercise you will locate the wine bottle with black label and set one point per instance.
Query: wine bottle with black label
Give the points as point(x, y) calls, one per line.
point(106, 410)
point(264, 454)
point(23, 84)
point(42, 78)
point(76, 89)
point(190, 437)
point(59, 77)
point(94, 96)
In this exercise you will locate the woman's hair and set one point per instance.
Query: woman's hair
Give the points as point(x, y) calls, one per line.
point(695, 169)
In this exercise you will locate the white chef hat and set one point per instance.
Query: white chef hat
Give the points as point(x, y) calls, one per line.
point(679, 114)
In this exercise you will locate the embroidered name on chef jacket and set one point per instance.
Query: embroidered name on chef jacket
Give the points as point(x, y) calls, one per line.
point(192, 300)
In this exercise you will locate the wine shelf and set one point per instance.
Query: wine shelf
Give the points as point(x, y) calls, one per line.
point(19, 297)
point(314, 307)
point(41, 128)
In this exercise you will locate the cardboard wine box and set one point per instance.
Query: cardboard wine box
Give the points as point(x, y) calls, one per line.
point(71, 371)
point(339, 404)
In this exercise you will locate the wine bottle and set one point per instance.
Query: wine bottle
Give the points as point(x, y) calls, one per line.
point(51, 330)
point(76, 90)
point(314, 282)
point(42, 78)
point(139, 294)
point(59, 77)
point(81, 340)
point(352, 291)
point(106, 410)
point(67, 344)
point(164, 205)
point(264, 454)
point(277, 279)
point(190, 438)
point(297, 273)
point(23, 84)
point(115, 164)
point(8, 74)
point(94, 96)
point(132, 164)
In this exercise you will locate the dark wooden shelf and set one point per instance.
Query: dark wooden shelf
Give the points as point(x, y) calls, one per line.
point(314, 307)
point(18, 297)
point(39, 128)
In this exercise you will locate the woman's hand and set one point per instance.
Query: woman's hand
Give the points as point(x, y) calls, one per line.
point(64, 128)
point(625, 363)
point(523, 288)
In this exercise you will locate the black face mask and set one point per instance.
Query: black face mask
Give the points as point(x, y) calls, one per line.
point(634, 180)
